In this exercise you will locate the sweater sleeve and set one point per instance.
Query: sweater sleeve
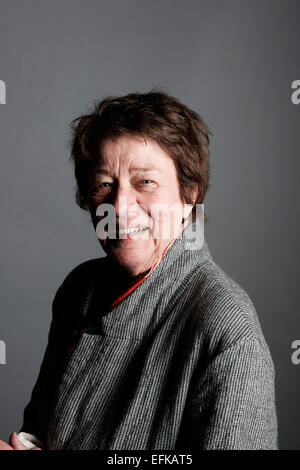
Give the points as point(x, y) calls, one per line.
point(36, 411)
point(234, 400)
point(71, 298)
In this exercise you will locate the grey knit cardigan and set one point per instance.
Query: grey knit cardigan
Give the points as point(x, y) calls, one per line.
point(179, 364)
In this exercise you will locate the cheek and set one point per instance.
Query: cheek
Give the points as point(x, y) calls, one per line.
point(166, 221)
point(166, 198)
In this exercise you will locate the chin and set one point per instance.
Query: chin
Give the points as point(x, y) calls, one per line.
point(133, 266)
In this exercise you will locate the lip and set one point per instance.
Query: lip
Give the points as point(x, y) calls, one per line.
point(131, 227)
point(132, 235)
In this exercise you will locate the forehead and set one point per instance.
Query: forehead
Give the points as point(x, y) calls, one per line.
point(134, 152)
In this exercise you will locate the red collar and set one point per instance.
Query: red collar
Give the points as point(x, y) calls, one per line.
point(134, 286)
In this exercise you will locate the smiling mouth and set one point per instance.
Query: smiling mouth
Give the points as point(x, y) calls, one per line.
point(128, 231)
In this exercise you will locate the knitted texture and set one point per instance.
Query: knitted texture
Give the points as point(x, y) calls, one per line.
point(181, 363)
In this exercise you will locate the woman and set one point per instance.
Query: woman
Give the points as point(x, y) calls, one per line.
point(153, 346)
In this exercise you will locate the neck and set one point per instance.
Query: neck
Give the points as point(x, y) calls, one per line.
point(123, 277)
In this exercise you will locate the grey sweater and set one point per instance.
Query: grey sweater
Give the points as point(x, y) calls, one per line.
point(179, 364)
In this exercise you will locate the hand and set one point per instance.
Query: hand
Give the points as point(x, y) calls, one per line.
point(17, 445)
point(14, 444)
point(4, 446)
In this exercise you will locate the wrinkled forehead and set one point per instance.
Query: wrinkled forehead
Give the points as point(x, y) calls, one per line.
point(133, 152)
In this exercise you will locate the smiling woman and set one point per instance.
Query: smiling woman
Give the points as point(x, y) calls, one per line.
point(122, 182)
point(153, 346)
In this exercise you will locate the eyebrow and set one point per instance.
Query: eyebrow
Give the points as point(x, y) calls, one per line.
point(103, 171)
point(137, 169)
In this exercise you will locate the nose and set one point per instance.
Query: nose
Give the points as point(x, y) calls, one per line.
point(124, 201)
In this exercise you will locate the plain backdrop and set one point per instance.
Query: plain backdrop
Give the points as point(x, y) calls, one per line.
point(233, 61)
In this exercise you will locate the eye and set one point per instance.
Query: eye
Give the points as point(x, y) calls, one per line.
point(145, 184)
point(100, 187)
point(146, 181)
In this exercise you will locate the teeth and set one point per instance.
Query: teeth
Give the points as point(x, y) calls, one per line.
point(132, 230)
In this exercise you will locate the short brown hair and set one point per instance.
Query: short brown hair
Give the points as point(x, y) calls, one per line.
point(156, 115)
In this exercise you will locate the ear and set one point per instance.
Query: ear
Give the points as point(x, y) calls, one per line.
point(194, 194)
point(188, 207)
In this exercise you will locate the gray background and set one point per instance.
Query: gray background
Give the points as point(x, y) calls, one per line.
point(233, 62)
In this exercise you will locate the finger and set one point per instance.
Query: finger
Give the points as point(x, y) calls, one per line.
point(15, 443)
point(35, 448)
point(5, 446)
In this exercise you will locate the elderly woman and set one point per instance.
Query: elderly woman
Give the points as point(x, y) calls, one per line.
point(153, 346)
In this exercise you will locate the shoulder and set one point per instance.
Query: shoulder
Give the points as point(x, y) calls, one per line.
point(83, 272)
point(223, 313)
point(72, 292)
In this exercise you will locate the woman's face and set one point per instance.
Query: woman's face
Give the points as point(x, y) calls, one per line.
point(139, 180)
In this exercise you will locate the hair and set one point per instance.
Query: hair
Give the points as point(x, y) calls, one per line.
point(180, 131)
